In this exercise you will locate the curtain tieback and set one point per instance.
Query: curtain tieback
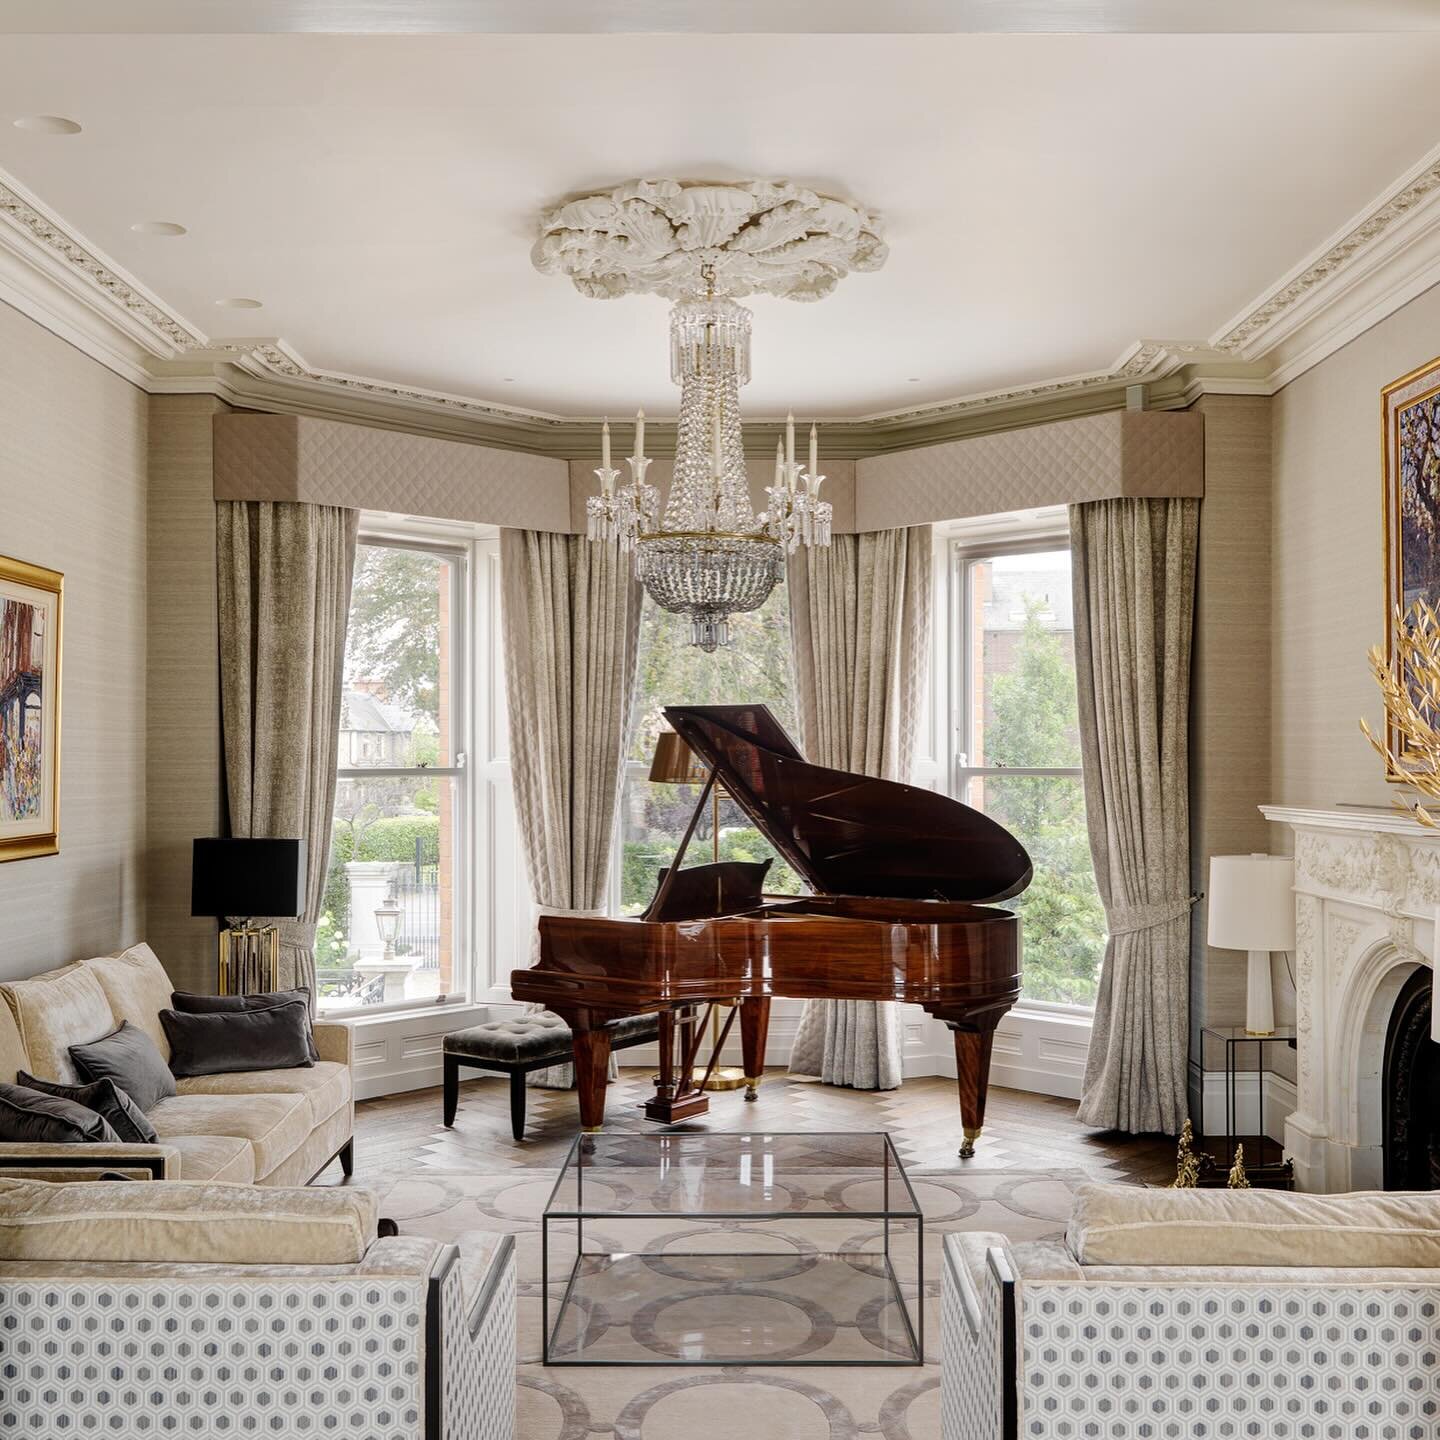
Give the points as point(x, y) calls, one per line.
point(1128, 919)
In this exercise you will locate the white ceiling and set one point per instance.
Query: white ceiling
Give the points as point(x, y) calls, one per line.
point(1050, 199)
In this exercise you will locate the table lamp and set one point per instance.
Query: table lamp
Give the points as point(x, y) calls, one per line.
point(242, 879)
point(1252, 907)
point(675, 763)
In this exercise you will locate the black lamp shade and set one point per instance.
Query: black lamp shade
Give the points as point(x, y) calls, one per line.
point(248, 877)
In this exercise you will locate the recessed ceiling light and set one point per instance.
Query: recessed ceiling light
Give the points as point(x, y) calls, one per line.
point(158, 227)
point(238, 302)
point(912, 379)
point(508, 379)
point(48, 125)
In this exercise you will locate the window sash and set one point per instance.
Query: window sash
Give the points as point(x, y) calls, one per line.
point(965, 555)
point(460, 707)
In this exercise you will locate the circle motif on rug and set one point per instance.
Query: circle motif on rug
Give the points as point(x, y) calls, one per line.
point(681, 1408)
point(939, 1189)
point(650, 1319)
point(693, 1267)
point(574, 1413)
point(895, 1413)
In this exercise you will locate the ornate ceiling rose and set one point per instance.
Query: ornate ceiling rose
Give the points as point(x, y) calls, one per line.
point(654, 237)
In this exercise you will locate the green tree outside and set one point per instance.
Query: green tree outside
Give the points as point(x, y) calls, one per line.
point(1032, 723)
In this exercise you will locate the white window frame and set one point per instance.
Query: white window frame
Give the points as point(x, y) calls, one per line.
point(1023, 535)
point(462, 557)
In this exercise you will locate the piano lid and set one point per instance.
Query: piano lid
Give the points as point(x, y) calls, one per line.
point(852, 834)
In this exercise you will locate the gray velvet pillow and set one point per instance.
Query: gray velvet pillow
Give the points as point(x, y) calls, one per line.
point(192, 1004)
point(276, 1038)
point(105, 1098)
point(30, 1117)
point(128, 1057)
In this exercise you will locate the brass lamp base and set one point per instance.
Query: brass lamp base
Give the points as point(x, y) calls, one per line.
point(249, 960)
point(726, 1077)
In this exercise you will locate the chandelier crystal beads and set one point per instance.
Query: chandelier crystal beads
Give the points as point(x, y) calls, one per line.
point(708, 554)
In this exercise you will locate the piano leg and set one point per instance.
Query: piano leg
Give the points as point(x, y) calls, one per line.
point(592, 1067)
point(972, 1072)
point(754, 1027)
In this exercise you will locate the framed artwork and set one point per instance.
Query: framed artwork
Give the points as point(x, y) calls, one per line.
point(30, 599)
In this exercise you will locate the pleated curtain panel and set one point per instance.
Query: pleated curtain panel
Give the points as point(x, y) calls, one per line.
point(1133, 568)
point(570, 617)
point(860, 616)
point(285, 571)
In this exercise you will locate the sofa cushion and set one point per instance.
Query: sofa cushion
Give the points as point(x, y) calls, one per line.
point(128, 1057)
point(1133, 1225)
point(138, 989)
point(189, 1003)
point(221, 1158)
point(31, 1117)
point(275, 1125)
point(326, 1085)
point(54, 1011)
point(276, 1037)
point(183, 1222)
point(105, 1098)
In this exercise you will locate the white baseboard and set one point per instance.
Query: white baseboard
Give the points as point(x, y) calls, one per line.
point(1035, 1050)
point(1279, 1096)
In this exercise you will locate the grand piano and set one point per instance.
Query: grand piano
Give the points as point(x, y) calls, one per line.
point(903, 880)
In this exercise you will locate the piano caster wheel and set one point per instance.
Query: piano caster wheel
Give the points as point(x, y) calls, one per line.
point(967, 1146)
point(752, 1087)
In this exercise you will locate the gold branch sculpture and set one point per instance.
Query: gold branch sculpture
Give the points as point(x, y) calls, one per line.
point(1187, 1164)
point(1410, 682)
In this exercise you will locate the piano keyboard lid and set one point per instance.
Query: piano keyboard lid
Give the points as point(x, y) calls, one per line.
point(849, 834)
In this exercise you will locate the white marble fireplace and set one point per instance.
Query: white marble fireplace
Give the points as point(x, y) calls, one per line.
point(1367, 884)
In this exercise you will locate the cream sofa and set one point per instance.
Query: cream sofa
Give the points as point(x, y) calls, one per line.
point(262, 1127)
point(1199, 1312)
point(218, 1310)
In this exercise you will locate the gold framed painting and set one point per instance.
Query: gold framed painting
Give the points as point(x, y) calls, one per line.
point(30, 628)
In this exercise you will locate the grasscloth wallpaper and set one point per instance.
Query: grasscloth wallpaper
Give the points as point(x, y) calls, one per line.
point(73, 497)
point(1328, 580)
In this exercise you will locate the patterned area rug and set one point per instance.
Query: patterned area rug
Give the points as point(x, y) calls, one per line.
point(737, 1402)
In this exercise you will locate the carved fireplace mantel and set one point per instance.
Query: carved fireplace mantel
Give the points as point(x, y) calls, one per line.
point(1367, 886)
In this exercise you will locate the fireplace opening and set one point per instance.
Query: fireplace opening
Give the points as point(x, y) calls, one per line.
point(1412, 1090)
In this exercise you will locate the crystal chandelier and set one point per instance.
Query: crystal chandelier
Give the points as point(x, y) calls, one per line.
point(709, 556)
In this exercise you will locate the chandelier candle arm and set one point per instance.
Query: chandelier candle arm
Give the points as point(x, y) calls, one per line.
point(814, 450)
point(639, 434)
point(605, 444)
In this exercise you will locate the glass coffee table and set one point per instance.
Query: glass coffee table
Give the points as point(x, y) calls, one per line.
point(733, 1249)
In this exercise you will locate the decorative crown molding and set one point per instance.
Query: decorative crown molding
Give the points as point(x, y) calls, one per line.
point(1375, 263)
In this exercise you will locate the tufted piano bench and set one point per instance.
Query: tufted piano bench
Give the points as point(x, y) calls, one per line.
point(522, 1043)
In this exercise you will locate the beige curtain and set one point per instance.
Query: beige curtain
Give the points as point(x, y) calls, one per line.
point(284, 603)
point(860, 616)
point(1134, 583)
point(570, 616)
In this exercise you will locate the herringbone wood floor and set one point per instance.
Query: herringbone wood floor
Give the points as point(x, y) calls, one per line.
point(401, 1134)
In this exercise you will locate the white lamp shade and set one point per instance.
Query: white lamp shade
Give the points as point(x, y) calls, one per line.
point(1252, 902)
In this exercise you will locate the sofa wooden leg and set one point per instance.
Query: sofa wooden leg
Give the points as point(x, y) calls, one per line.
point(452, 1089)
point(347, 1156)
point(517, 1104)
